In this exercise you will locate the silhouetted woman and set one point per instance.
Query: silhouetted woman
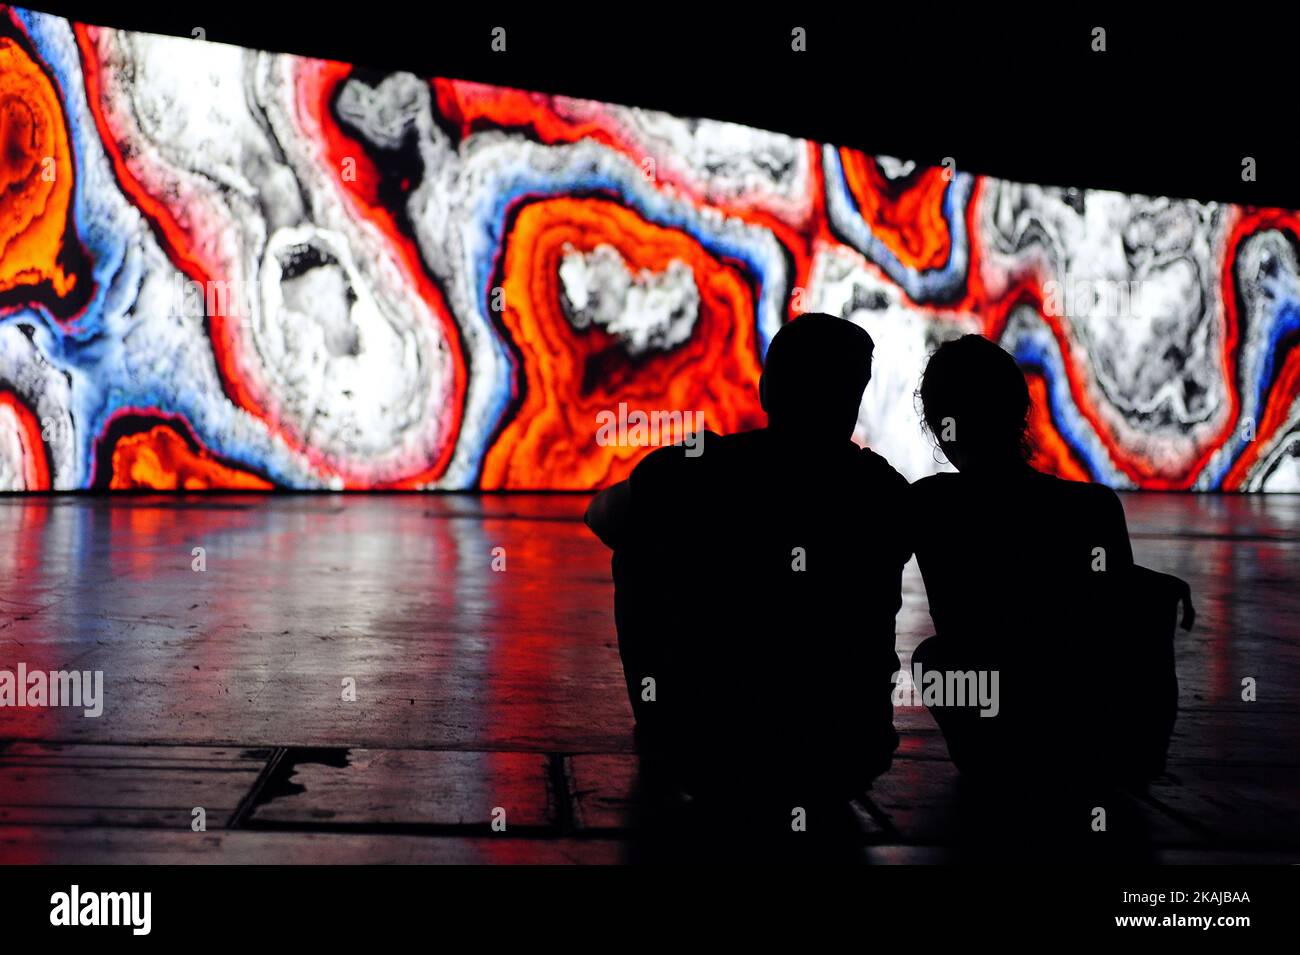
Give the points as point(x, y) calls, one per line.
point(1031, 578)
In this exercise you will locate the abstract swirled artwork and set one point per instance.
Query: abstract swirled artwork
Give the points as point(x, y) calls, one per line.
point(224, 268)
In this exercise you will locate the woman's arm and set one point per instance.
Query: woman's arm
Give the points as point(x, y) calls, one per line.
point(1118, 546)
point(1176, 589)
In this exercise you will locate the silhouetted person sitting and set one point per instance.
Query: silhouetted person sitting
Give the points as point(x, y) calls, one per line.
point(1032, 577)
point(756, 585)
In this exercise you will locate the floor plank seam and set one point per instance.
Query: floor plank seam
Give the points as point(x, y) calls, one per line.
point(240, 816)
point(1179, 817)
point(879, 816)
point(119, 767)
point(557, 770)
point(425, 829)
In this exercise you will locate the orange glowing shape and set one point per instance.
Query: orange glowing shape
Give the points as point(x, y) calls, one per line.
point(35, 176)
point(1051, 453)
point(908, 219)
point(20, 439)
point(571, 376)
point(161, 460)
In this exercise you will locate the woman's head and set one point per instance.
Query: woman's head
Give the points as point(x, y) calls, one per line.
point(976, 405)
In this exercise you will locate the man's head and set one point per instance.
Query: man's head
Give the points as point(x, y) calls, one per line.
point(816, 370)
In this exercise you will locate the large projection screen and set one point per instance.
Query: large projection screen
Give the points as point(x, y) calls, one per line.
point(231, 269)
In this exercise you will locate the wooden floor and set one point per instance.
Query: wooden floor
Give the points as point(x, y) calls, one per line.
point(487, 696)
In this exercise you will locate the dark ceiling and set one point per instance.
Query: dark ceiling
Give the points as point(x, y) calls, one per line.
point(1172, 106)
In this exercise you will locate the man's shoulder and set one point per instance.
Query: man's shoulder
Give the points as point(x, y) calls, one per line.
point(876, 468)
point(671, 458)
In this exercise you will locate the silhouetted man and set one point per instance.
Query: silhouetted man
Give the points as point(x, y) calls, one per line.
point(757, 577)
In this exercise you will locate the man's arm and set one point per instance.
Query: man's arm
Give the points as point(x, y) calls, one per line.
point(607, 513)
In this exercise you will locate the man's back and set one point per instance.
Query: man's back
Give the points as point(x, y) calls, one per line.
point(757, 585)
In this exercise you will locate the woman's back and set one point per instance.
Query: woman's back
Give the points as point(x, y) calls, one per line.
point(1032, 587)
point(1030, 577)
point(1019, 555)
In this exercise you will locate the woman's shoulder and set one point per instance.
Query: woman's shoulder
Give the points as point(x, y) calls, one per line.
point(1034, 484)
point(878, 467)
point(945, 482)
point(1084, 492)
point(933, 498)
